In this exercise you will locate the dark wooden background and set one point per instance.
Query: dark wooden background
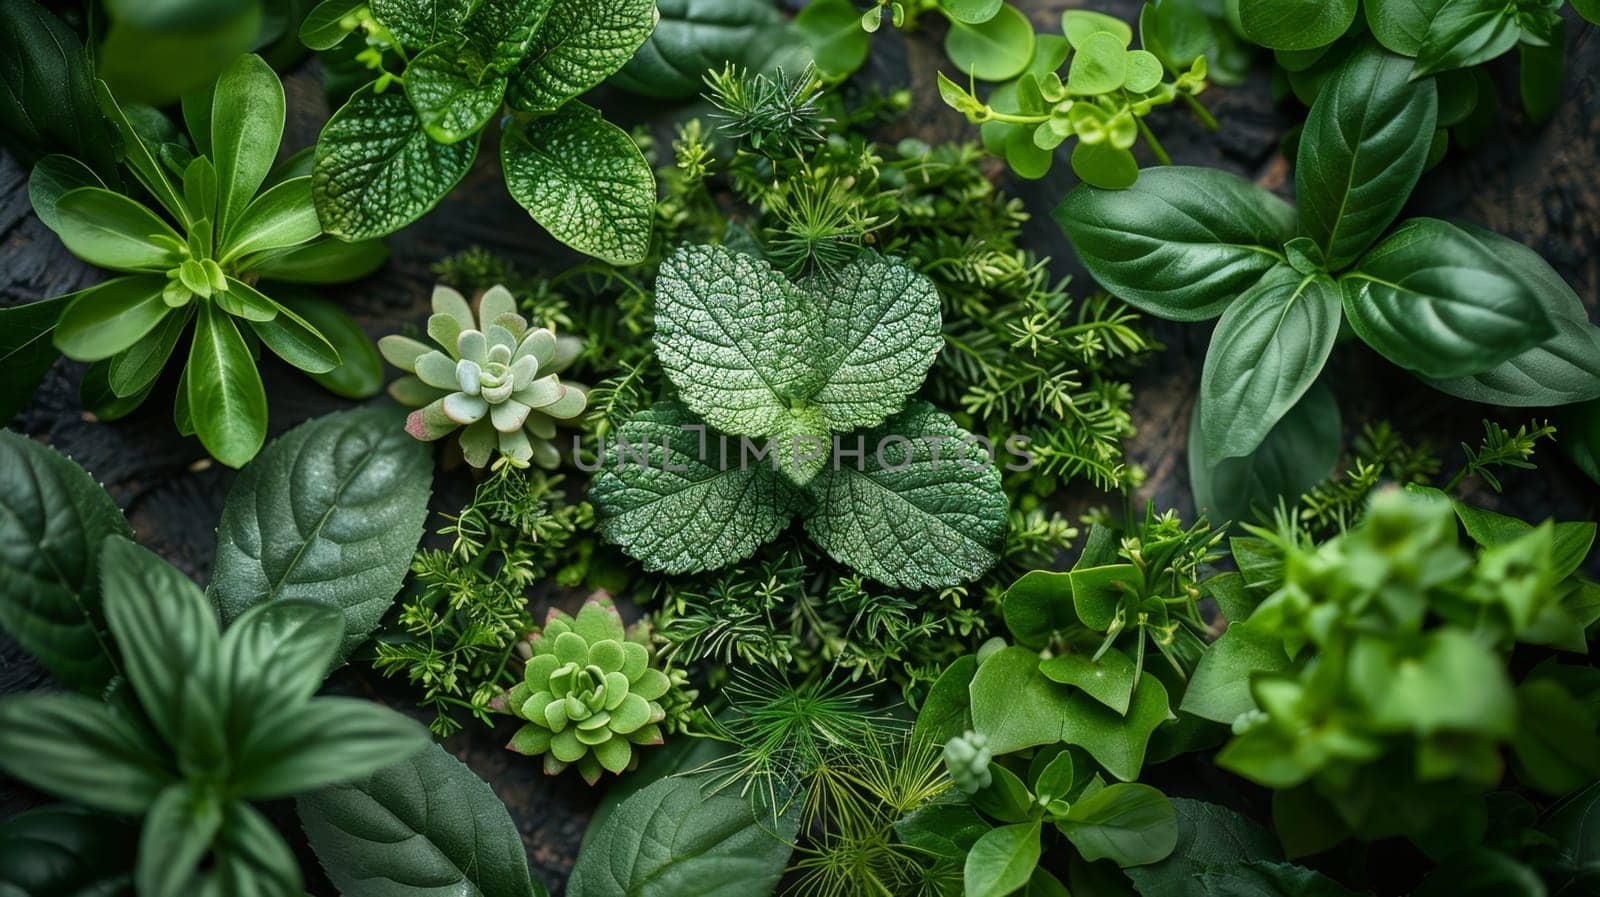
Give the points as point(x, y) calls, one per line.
point(1536, 184)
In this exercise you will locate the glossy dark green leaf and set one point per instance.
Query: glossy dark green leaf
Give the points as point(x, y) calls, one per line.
point(832, 29)
point(1180, 244)
point(1001, 861)
point(452, 98)
point(584, 180)
point(223, 388)
point(1543, 75)
point(947, 710)
point(109, 317)
point(695, 36)
point(1361, 153)
point(582, 43)
point(292, 749)
point(1267, 351)
point(330, 513)
point(251, 849)
point(27, 350)
point(112, 231)
point(1258, 878)
point(247, 115)
point(1131, 825)
point(47, 96)
point(1209, 837)
point(1401, 25)
point(134, 370)
point(1299, 453)
point(66, 850)
point(1440, 300)
point(1296, 24)
point(321, 29)
point(376, 170)
point(1465, 33)
point(501, 33)
point(78, 748)
point(423, 823)
point(1572, 825)
point(277, 654)
point(995, 50)
point(323, 261)
point(360, 371)
point(421, 23)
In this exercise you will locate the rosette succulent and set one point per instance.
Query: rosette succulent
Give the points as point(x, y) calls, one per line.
point(589, 694)
point(495, 376)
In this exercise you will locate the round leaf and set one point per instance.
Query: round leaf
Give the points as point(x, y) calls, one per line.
point(996, 50)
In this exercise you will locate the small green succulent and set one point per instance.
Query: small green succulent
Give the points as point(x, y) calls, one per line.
point(589, 694)
point(496, 376)
point(967, 758)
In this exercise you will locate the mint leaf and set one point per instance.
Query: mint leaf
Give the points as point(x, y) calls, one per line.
point(584, 180)
point(451, 99)
point(925, 509)
point(581, 44)
point(421, 23)
point(376, 170)
point(691, 502)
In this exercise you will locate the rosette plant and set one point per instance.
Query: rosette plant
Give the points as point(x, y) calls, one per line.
point(494, 375)
point(589, 694)
point(231, 219)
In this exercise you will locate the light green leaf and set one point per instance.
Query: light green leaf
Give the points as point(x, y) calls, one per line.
point(136, 155)
point(421, 824)
point(1439, 300)
point(360, 371)
point(1464, 33)
point(78, 748)
point(321, 29)
point(281, 217)
point(1001, 861)
point(225, 397)
point(1099, 66)
point(421, 23)
point(1450, 682)
point(972, 12)
point(376, 170)
point(1266, 352)
point(1081, 24)
point(1182, 243)
point(110, 230)
point(584, 180)
point(832, 29)
point(1131, 825)
point(291, 337)
point(1219, 690)
point(52, 178)
point(53, 517)
point(1296, 455)
point(995, 50)
point(674, 498)
point(322, 261)
point(1296, 24)
point(582, 43)
point(1104, 166)
point(331, 512)
point(247, 114)
point(109, 317)
point(1109, 679)
point(453, 100)
point(924, 508)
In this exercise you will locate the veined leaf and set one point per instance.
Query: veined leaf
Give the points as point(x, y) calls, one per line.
point(225, 397)
point(584, 180)
point(1464, 33)
point(694, 36)
point(1296, 455)
point(27, 350)
point(136, 155)
point(1001, 861)
point(110, 230)
point(281, 217)
point(376, 170)
point(175, 838)
point(1296, 24)
point(109, 317)
point(421, 23)
point(289, 749)
point(501, 32)
point(1129, 824)
point(320, 29)
point(79, 747)
point(1402, 25)
point(47, 95)
point(453, 100)
point(331, 512)
point(582, 43)
point(247, 114)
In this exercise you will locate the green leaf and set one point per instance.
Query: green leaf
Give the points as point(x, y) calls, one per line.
point(331, 513)
point(584, 180)
point(276, 655)
point(1482, 872)
point(294, 748)
point(923, 509)
point(1131, 825)
point(1580, 437)
point(582, 43)
point(247, 113)
point(109, 317)
point(321, 28)
point(832, 28)
point(453, 99)
point(421, 23)
point(1219, 690)
point(1210, 837)
point(1267, 351)
point(682, 499)
point(1180, 244)
point(694, 37)
point(1440, 300)
point(1402, 25)
point(972, 12)
point(947, 710)
point(1001, 861)
point(502, 32)
point(423, 824)
point(1464, 33)
point(1100, 65)
point(54, 518)
point(1081, 24)
point(1572, 825)
point(27, 350)
point(360, 371)
point(376, 170)
point(1450, 681)
point(322, 261)
point(1361, 153)
point(157, 64)
point(671, 839)
point(1555, 744)
point(281, 217)
point(1543, 75)
point(47, 96)
point(223, 390)
point(1297, 454)
point(943, 829)
point(176, 836)
point(1110, 679)
point(66, 850)
point(249, 847)
point(78, 748)
point(112, 231)
point(133, 371)
point(998, 49)
point(1259, 878)
point(1037, 606)
point(52, 178)
point(1296, 24)
point(290, 336)
point(136, 155)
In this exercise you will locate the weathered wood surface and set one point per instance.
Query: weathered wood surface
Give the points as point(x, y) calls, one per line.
point(1536, 184)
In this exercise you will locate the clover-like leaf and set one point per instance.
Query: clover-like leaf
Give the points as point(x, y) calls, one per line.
point(581, 44)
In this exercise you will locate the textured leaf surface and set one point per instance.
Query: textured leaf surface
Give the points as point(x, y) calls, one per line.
point(1209, 837)
point(696, 35)
point(53, 517)
point(421, 23)
point(1181, 243)
point(1266, 352)
point(1364, 147)
point(1296, 24)
point(1441, 301)
point(330, 513)
point(499, 32)
point(581, 44)
point(451, 99)
point(584, 180)
point(693, 501)
point(1402, 25)
point(376, 170)
point(423, 826)
point(924, 509)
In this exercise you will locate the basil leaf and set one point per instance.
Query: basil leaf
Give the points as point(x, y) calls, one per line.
point(1464, 33)
point(1296, 455)
point(1402, 25)
point(671, 839)
point(452, 100)
point(331, 513)
point(1267, 350)
point(225, 397)
point(1001, 861)
point(67, 850)
point(1296, 24)
point(277, 654)
point(584, 180)
point(112, 231)
point(55, 517)
point(997, 49)
point(1441, 301)
point(376, 170)
point(421, 23)
point(360, 371)
point(680, 498)
point(694, 36)
point(281, 217)
point(1361, 153)
point(47, 96)
point(249, 847)
point(110, 317)
point(27, 350)
point(1181, 243)
point(293, 748)
point(426, 823)
point(924, 508)
point(75, 746)
point(1131, 825)
point(247, 114)
point(581, 44)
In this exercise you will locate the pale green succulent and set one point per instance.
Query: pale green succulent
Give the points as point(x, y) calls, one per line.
point(589, 694)
point(967, 758)
point(496, 376)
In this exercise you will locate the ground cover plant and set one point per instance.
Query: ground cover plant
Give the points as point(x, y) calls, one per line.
point(763, 511)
